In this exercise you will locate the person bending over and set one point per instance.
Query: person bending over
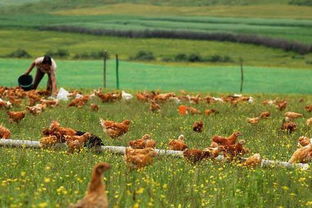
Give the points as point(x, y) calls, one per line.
point(44, 65)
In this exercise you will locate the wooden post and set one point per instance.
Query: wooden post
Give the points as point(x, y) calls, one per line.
point(104, 69)
point(117, 72)
point(242, 75)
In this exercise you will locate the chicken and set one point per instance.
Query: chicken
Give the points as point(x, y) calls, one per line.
point(210, 111)
point(253, 160)
point(96, 196)
point(226, 141)
point(235, 150)
point(304, 141)
point(115, 129)
point(50, 103)
point(308, 108)
point(198, 126)
point(264, 114)
point(4, 132)
point(76, 142)
point(309, 121)
point(79, 102)
point(15, 101)
point(58, 131)
point(37, 109)
point(142, 97)
point(139, 158)
point(5, 104)
point(194, 99)
point(164, 96)
point(193, 111)
point(178, 144)
point(182, 110)
point(253, 120)
point(302, 155)
point(281, 105)
point(16, 116)
point(48, 141)
point(293, 115)
point(268, 102)
point(154, 107)
point(288, 126)
point(94, 107)
point(108, 97)
point(195, 155)
point(145, 142)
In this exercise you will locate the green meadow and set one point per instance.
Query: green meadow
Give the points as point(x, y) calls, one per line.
point(144, 76)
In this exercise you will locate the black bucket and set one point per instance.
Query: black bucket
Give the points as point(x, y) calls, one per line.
point(25, 82)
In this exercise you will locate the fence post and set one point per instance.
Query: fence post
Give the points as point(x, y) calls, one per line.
point(117, 71)
point(104, 69)
point(242, 74)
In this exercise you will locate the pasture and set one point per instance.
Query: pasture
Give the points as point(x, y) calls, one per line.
point(140, 76)
point(46, 178)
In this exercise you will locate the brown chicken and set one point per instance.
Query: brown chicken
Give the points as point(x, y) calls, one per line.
point(154, 107)
point(309, 122)
point(288, 126)
point(16, 116)
point(302, 155)
point(79, 102)
point(48, 141)
point(209, 112)
point(115, 129)
point(225, 141)
point(195, 155)
point(293, 115)
point(253, 120)
point(96, 196)
point(76, 143)
point(281, 105)
point(50, 103)
point(308, 108)
point(164, 96)
point(304, 141)
point(144, 142)
point(253, 160)
point(193, 111)
point(198, 126)
point(94, 107)
point(5, 104)
point(235, 150)
point(58, 131)
point(139, 158)
point(4, 133)
point(37, 109)
point(108, 97)
point(177, 144)
point(265, 114)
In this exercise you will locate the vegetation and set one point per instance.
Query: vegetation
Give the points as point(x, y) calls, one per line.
point(19, 53)
point(83, 46)
point(57, 179)
point(89, 74)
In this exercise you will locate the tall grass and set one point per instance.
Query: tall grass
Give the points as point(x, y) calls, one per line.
point(44, 178)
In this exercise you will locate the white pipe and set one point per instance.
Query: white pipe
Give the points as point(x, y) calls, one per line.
point(121, 150)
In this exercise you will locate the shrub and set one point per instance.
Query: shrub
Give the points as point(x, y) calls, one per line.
point(61, 53)
point(19, 53)
point(181, 57)
point(301, 2)
point(92, 55)
point(195, 58)
point(143, 56)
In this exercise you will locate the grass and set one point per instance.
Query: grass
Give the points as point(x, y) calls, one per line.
point(44, 178)
point(77, 44)
point(89, 74)
point(289, 29)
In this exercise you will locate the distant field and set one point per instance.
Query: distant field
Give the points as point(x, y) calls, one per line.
point(38, 43)
point(290, 29)
point(146, 76)
point(255, 11)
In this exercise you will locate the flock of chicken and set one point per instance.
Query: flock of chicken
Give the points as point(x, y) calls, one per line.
point(141, 151)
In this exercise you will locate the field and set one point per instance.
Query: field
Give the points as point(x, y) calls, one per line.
point(278, 70)
point(89, 74)
point(56, 178)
